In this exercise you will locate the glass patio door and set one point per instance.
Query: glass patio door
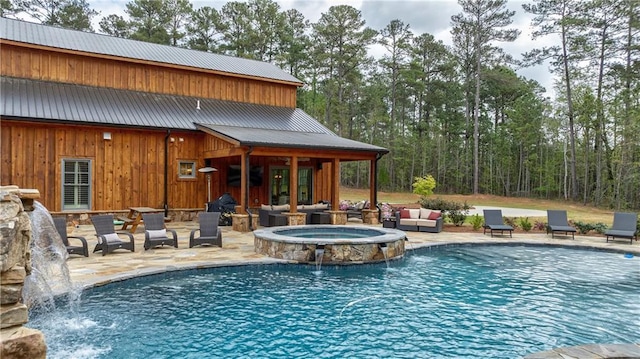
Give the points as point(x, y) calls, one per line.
point(279, 186)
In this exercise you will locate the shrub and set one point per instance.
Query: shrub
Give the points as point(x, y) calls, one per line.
point(476, 221)
point(424, 186)
point(525, 224)
point(387, 211)
point(457, 216)
point(600, 227)
point(583, 228)
point(511, 221)
point(540, 226)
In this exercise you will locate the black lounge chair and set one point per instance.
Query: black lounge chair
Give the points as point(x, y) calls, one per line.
point(624, 226)
point(155, 233)
point(108, 239)
point(557, 222)
point(493, 221)
point(61, 227)
point(209, 231)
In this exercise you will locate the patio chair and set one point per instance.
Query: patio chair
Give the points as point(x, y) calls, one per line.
point(108, 239)
point(624, 226)
point(356, 210)
point(209, 231)
point(155, 233)
point(61, 227)
point(493, 222)
point(557, 222)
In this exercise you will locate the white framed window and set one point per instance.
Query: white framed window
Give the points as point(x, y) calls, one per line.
point(186, 169)
point(76, 184)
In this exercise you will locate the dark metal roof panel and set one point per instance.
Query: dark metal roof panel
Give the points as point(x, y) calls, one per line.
point(37, 34)
point(279, 138)
point(248, 123)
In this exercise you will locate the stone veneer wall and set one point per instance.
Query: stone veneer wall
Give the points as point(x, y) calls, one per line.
point(335, 253)
point(16, 341)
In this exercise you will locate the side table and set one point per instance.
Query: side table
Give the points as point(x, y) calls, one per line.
point(388, 224)
point(277, 220)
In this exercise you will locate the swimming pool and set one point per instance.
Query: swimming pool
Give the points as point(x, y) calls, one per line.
point(446, 302)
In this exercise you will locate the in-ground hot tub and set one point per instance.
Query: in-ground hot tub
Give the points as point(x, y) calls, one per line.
point(330, 244)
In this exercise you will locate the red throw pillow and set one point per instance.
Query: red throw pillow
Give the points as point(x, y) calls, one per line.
point(434, 215)
point(404, 213)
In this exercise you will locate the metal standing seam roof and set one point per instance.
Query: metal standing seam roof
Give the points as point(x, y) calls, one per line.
point(249, 124)
point(38, 34)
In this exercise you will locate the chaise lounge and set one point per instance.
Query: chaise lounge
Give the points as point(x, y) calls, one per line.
point(557, 222)
point(493, 222)
point(624, 226)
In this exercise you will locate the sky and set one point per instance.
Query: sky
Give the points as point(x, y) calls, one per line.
point(423, 16)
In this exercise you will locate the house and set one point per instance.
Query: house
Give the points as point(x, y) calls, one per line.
point(100, 124)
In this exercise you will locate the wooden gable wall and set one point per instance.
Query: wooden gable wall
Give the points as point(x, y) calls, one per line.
point(39, 64)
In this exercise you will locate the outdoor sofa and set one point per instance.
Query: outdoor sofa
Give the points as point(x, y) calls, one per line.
point(265, 210)
point(419, 220)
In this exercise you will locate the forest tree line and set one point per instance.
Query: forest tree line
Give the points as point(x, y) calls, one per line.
point(459, 112)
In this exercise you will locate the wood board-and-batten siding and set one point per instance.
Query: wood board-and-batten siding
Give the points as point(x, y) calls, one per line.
point(127, 170)
point(126, 74)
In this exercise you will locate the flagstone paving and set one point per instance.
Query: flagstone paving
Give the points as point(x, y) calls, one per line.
point(238, 249)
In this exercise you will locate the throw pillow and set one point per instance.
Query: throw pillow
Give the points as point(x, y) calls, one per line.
point(434, 215)
point(404, 213)
point(414, 213)
point(160, 233)
point(111, 238)
point(424, 213)
point(266, 207)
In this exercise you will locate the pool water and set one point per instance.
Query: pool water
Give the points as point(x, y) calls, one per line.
point(446, 302)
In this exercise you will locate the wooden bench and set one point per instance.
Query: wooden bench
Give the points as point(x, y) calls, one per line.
point(125, 219)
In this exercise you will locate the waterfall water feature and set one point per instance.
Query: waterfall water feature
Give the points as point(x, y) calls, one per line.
point(319, 255)
point(49, 274)
point(384, 250)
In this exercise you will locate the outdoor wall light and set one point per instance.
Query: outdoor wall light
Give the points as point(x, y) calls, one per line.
point(106, 136)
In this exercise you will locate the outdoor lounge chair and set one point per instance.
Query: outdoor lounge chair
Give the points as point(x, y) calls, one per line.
point(108, 239)
point(355, 211)
point(155, 233)
point(624, 226)
point(493, 221)
point(209, 231)
point(61, 227)
point(557, 222)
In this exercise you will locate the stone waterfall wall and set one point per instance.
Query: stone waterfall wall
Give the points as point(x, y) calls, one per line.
point(16, 341)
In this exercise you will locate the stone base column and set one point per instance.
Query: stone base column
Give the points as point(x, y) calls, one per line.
point(370, 216)
point(296, 219)
point(338, 217)
point(240, 222)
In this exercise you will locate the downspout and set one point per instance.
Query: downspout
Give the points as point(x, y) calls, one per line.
point(246, 197)
point(166, 173)
point(375, 192)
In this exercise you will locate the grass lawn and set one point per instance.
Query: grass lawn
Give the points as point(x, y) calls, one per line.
point(575, 211)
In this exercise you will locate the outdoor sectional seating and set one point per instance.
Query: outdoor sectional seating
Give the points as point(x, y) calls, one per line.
point(265, 210)
point(419, 220)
